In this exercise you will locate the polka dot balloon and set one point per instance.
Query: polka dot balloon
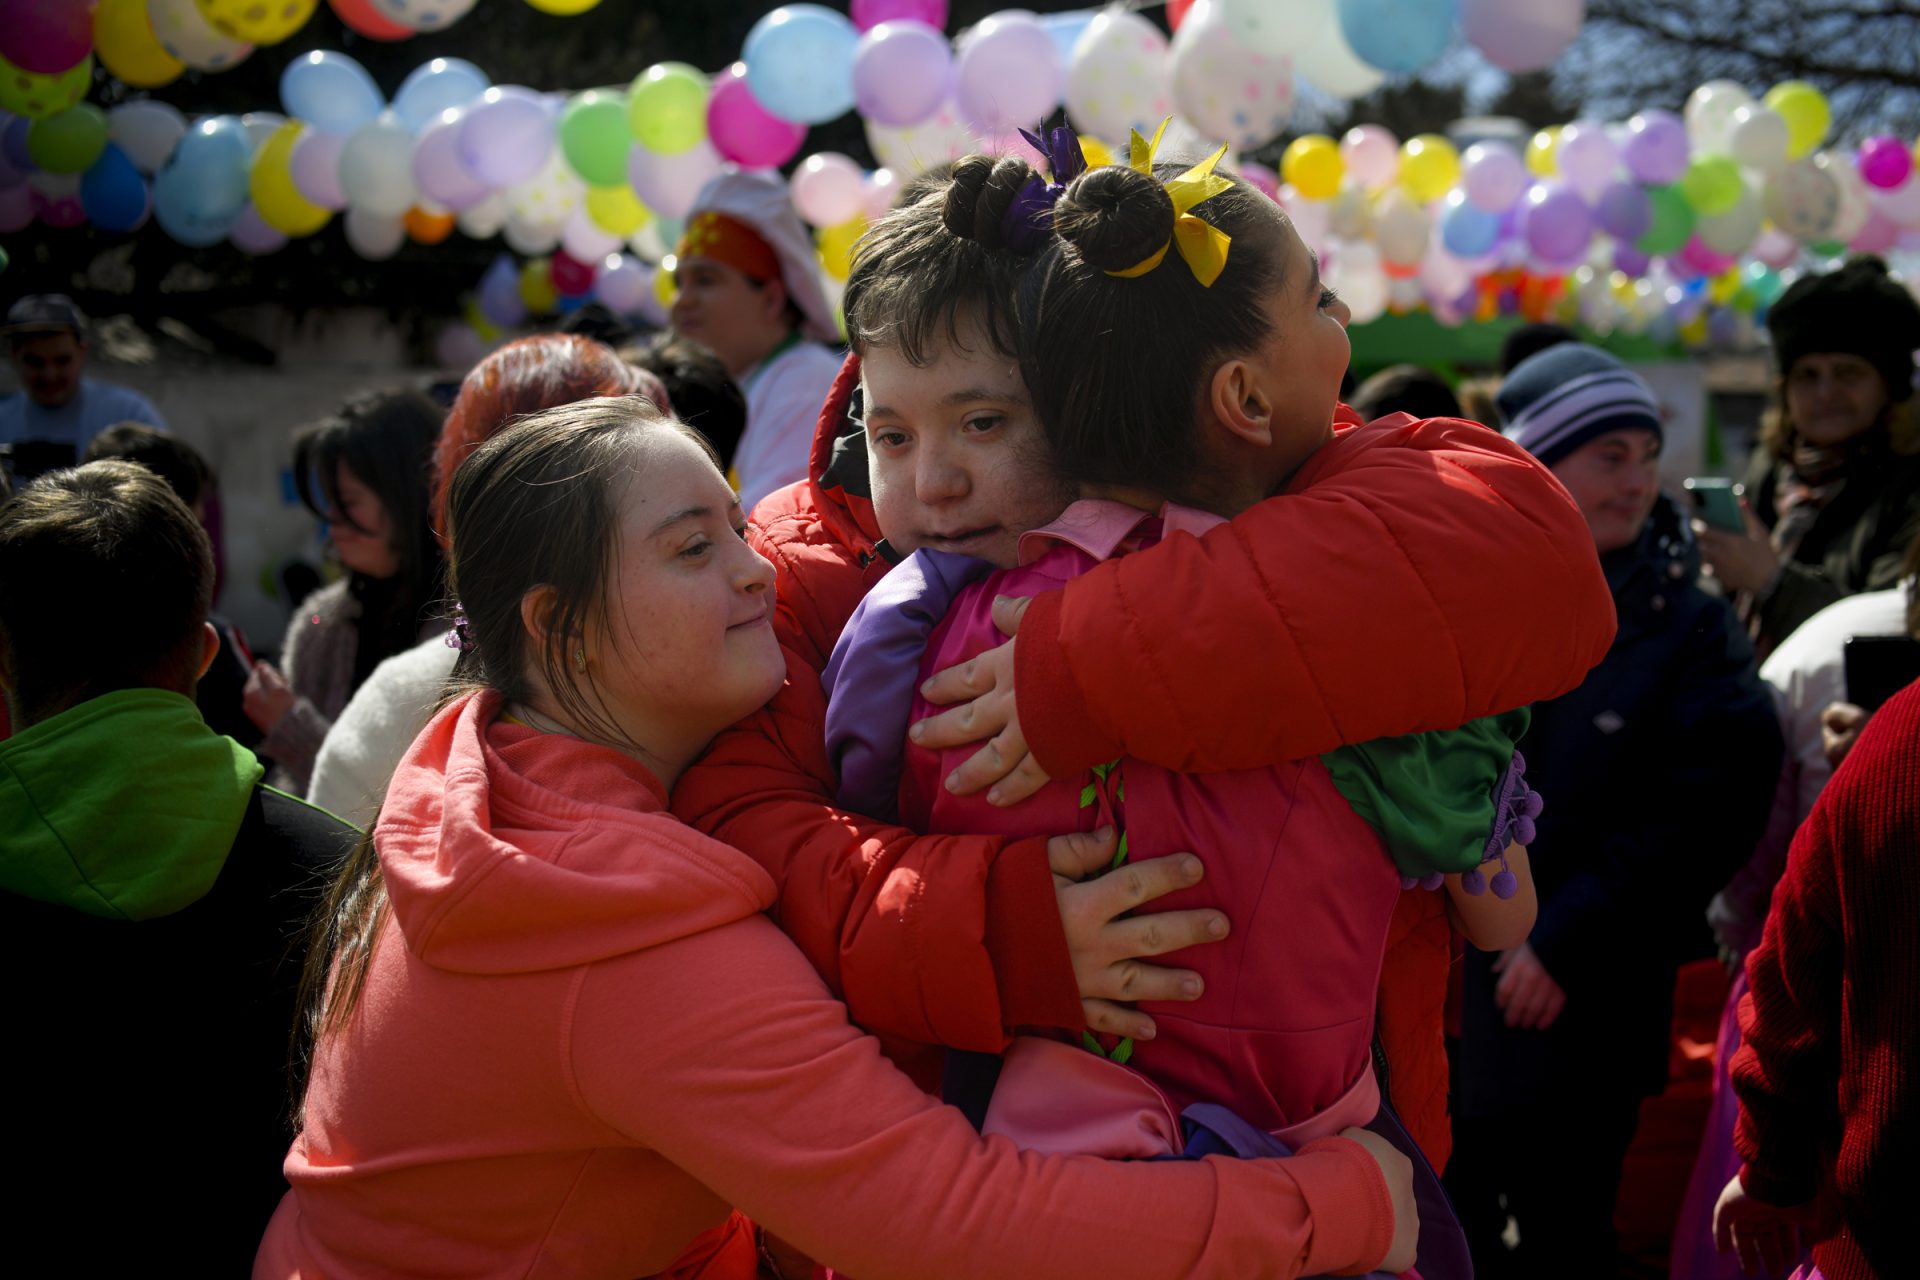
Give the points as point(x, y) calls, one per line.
point(256, 21)
point(1117, 80)
point(1230, 91)
point(184, 33)
point(38, 96)
point(424, 15)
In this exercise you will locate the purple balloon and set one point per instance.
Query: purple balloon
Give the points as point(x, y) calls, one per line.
point(499, 294)
point(902, 72)
point(1008, 74)
point(1656, 147)
point(1885, 162)
point(668, 185)
point(438, 170)
point(251, 234)
point(744, 131)
point(1630, 261)
point(506, 136)
point(13, 141)
point(315, 166)
point(867, 14)
point(1557, 223)
point(1493, 176)
point(1624, 212)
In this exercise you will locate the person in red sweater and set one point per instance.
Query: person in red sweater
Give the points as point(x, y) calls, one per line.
point(1829, 1125)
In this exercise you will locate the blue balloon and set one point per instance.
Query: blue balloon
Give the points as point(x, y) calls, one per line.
point(13, 143)
point(1398, 36)
point(329, 91)
point(436, 86)
point(1468, 230)
point(499, 294)
point(113, 193)
point(173, 209)
point(209, 167)
point(1066, 30)
point(800, 63)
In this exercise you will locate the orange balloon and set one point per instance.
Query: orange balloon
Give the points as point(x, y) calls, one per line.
point(428, 228)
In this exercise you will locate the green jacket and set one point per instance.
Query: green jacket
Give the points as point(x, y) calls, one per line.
point(124, 806)
point(1857, 543)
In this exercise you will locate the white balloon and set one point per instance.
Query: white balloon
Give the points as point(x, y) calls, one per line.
point(1355, 271)
point(374, 237)
point(1117, 78)
point(1349, 215)
point(941, 137)
point(1229, 91)
point(584, 239)
point(147, 131)
point(260, 126)
point(1329, 63)
point(1757, 137)
point(1731, 232)
point(1309, 217)
point(1400, 227)
point(376, 167)
point(1275, 28)
point(185, 34)
point(1802, 200)
point(1854, 207)
point(1710, 111)
point(531, 239)
point(549, 195)
point(1901, 204)
point(483, 221)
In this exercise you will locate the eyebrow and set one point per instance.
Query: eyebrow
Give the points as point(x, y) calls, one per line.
point(965, 395)
point(691, 513)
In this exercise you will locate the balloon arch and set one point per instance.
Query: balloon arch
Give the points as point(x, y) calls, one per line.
point(1682, 226)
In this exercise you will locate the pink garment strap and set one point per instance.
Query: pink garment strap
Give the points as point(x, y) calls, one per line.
point(1060, 1099)
point(1097, 526)
point(1357, 1106)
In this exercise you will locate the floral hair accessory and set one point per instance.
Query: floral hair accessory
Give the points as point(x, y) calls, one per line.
point(1029, 218)
point(461, 635)
point(1203, 245)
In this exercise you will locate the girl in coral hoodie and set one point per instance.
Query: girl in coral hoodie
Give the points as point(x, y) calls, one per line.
point(555, 1034)
point(1295, 854)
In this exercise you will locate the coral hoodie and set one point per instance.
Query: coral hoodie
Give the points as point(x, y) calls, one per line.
point(580, 1039)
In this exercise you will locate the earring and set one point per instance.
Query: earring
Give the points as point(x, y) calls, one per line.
point(580, 659)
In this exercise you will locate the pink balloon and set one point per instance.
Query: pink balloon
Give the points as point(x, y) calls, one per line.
point(902, 72)
point(1775, 247)
point(1493, 176)
point(1878, 235)
point(1261, 177)
point(828, 189)
point(867, 14)
point(315, 166)
point(745, 132)
point(45, 36)
point(1372, 154)
point(668, 185)
point(1008, 73)
point(16, 208)
point(1706, 261)
point(1885, 162)
point(1521, 35)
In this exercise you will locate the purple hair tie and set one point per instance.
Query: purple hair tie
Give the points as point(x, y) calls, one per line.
point(1029, 219)
point(460, 636)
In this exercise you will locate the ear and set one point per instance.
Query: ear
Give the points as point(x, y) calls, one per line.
point(536, 616)
point(209, 650)
point(1240, 404)
point(773, 301)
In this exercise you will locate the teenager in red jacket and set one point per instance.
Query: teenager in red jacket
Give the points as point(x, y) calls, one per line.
point(951, 939)
point(1829, 1126)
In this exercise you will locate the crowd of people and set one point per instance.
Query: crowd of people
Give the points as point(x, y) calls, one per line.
point(1051, 790)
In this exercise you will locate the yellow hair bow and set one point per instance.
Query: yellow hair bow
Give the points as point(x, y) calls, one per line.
point(1203, 245)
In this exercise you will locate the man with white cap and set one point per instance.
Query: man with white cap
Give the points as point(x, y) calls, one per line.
point(749, 288)
point(58, 412)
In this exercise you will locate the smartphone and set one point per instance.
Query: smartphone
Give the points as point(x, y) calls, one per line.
point(1717, 501)
point(1879, 667)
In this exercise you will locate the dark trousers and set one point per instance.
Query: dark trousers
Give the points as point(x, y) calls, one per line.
point(1558, 1168)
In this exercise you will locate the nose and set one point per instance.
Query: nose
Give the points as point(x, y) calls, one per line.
point(937, 476)
point(756, 573)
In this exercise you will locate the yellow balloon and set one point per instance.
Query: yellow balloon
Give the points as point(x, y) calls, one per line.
point(1541, 149)
point(665, 288)
point(1722, 287)
point(536, 286)
point(275, 197)
point(616, 210)
point(1097, 153)
point(564, 8)
point(1429, 166)
point(128, 49)
point(836, 247)
point(36, 97)
point(256, 21)
point(1313, 167)
point(474, 316)
point(1805, 110)
point(1694, 331)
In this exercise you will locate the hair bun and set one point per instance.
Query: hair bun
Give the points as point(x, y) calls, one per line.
point(983, 190)
point(1115, 217)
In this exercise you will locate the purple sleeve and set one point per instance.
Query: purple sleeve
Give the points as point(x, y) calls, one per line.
point(875, 668)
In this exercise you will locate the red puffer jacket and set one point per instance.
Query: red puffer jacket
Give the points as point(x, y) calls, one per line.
point(1432, 573)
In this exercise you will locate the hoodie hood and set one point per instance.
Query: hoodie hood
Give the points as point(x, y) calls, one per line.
point(837, 469)
point(125, 806)
point(508, 850)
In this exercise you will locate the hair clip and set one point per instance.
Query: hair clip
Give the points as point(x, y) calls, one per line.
point(1203, 245)
point(460, 636)
point(1029, 219)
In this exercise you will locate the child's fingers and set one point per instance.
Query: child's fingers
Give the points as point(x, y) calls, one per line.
point(1007, 612)
point(1160, 932)
point(1027, 777)
point(1104, 1017)
point(1079, 854)
point(977, 675)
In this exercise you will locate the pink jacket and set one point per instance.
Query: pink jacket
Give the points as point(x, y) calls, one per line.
point(580, 1041)
point(1284, 1030)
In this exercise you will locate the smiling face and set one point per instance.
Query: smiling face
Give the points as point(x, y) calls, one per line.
point(362, 529)
point(1614, 479)
point(741, 319)
point(955, 453)
point(685, 646)
point(1833, 396)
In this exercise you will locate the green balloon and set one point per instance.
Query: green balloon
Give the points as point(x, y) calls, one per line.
point(594, 139)
point(667, 107)
point(70, 141)
point(1672, 222)
point(1712, 184)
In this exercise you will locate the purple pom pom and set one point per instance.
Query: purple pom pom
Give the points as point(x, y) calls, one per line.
point(1473, 882)
point(1523, 830)
point(1432, 880)
point(1505, 885)
point(1408, 882)
point(1533, 805)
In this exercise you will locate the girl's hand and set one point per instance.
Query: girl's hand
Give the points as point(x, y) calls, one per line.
point(984, 686)
point(1770, 1238)
point(1840, 725)
point(266, 697)
point(1398, 1171)
point(1107, 944)
point(1526, 992)
point(1741, 561)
